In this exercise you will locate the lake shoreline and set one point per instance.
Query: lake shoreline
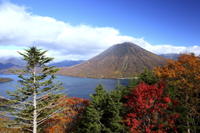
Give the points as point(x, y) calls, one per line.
point(3, 80)
point(96, 77)
point(89, 77)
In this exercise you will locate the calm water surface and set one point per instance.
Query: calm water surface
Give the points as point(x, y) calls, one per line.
point(74, 86)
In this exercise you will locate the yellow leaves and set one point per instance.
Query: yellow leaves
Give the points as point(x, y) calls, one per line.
point(186, 70)
point(184, 75)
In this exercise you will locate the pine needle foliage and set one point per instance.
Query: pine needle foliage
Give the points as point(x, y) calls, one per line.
point(103, 113)
point(36, 99)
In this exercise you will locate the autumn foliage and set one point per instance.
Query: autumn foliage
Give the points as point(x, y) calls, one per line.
point(187, 66)
point(4, 128)
point(65, 121)
point(166, 100)
point(183, 78)
point(149, 110)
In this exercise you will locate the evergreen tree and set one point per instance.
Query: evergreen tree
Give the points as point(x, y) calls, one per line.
point(90, 121)
point(35, 100)
point(148, 77)
point(111, 117)
point(133, 82)
point(103, 113)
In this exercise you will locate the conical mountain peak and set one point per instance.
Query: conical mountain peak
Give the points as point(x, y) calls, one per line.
point(120, 60)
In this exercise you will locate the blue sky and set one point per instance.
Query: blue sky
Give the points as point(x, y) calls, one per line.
point(158, 21)
point(161, 26)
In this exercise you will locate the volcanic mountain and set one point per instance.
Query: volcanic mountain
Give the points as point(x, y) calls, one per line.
point(119, 61)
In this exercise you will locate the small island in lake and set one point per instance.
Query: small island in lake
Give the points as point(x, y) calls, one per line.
point(2, 80)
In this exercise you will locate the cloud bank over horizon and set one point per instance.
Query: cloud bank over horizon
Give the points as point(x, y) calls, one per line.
point(19, 28)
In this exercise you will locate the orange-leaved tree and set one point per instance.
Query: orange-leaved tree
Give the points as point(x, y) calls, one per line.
point(5, 128)
point(66, 120)
point(183, 77)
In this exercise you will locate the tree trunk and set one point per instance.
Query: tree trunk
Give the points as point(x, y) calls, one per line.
point(34, 105)
point(34, 113)
point(188, 124)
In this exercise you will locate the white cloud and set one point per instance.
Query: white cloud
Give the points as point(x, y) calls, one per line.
point(21, 28)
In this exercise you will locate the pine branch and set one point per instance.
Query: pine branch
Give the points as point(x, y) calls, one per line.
point(15, 107)
point(28, 130)
point(17, 102)
point(11, 116)
point(47, 95)
point(52, 105)
point(49, 116)
point(48, 107)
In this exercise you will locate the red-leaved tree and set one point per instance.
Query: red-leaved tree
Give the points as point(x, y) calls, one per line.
point(150, 110)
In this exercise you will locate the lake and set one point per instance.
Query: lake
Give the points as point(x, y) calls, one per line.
point(74, 86)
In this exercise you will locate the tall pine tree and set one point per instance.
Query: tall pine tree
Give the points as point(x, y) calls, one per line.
point(36, 99)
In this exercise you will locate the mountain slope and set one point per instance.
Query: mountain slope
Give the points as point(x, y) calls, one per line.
point(121, 60)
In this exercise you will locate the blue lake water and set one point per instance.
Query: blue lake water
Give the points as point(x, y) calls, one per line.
point(74, 86)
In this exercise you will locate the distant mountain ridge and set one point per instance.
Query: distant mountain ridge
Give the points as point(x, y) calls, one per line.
point(66, 63)
point(12, 63)
point(12, 60)
point(6, 66)
point(121, 60)
point(172, 56)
